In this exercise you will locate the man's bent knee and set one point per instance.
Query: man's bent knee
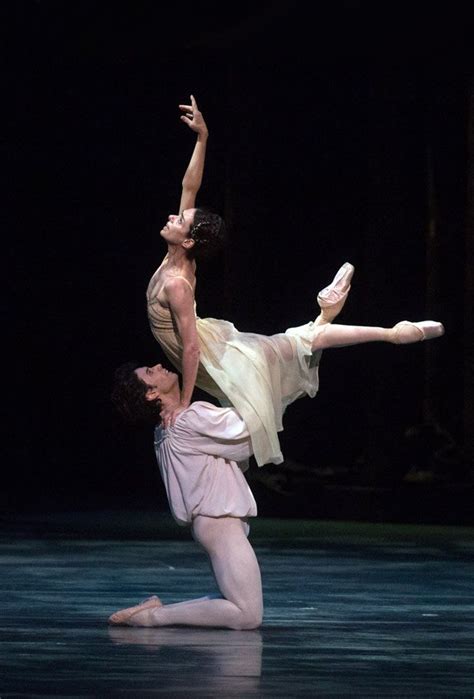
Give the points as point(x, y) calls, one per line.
point(249, 621)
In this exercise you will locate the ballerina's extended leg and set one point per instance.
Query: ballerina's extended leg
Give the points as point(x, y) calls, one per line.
point(402, 333)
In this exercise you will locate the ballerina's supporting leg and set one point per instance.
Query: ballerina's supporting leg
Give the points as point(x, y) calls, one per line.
point(402, 333)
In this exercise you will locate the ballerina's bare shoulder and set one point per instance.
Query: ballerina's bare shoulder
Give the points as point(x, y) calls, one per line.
point(156, 292)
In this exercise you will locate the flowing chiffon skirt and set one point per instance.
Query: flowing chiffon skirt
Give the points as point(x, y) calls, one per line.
point(257, 374)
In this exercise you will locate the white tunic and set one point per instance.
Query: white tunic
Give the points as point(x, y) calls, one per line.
point(197, 460)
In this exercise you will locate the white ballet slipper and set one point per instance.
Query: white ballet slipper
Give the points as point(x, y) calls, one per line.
point(124, 615)
point(405, 331)
point(153, 598)
point(332, 298)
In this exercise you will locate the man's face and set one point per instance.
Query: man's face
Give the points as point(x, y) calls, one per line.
point(177, 229)
point(158, 379)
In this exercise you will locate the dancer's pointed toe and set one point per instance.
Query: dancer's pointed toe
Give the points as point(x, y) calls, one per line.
point(332, 298)
point(114, 618)
point(124, 616)
point(406, 332)
point(153, 598)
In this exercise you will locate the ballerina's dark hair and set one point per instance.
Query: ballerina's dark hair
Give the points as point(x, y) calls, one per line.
point(129, 397)
point(208, 232)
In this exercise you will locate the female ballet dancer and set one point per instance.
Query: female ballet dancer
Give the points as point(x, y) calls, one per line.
point(243, 369)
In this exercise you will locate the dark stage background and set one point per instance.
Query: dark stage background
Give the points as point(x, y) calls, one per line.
point(337, 135)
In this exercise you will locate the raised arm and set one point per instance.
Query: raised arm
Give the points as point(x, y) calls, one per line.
point(181, 301)
point(193, 176)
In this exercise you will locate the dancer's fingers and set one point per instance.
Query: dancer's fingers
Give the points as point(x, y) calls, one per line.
point(188, 116)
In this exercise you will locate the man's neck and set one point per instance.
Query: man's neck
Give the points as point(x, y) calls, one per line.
point(170, 402)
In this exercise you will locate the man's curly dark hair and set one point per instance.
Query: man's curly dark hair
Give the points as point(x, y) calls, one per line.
point(129, 397)
point(208, 231)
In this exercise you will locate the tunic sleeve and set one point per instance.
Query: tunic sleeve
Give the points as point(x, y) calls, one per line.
point(219, 431)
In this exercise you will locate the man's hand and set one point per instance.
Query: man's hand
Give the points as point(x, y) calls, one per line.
point(193, 117)
point(168, 417)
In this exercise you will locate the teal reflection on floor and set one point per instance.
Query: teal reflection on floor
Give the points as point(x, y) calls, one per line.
point(345, 615)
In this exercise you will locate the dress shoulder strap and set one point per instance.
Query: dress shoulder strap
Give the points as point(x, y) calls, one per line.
point(179, 276)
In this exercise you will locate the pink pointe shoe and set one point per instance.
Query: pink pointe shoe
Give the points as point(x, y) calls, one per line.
point(332, 298)
point(405, 331)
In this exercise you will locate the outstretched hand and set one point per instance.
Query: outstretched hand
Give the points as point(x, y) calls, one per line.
point(193, 117)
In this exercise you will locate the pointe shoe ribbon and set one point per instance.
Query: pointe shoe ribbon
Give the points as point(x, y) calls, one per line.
point(332, 298)
point(405, 331)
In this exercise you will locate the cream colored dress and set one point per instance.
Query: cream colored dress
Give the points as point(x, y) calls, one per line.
point(259, 375)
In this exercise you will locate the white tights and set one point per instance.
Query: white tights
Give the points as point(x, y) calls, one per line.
point(331, 335)
point(237, 575)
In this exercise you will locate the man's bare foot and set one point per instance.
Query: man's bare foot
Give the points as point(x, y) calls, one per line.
point(124, 616)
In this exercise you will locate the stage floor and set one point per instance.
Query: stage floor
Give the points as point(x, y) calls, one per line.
point(351, 610)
